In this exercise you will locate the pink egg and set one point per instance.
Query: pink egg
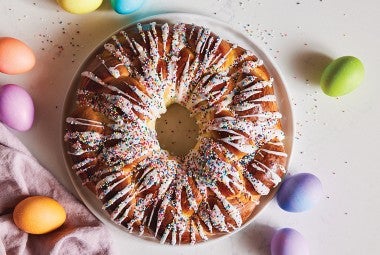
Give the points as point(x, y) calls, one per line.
point(15, 56)
point(288, 241)
point(16, 107)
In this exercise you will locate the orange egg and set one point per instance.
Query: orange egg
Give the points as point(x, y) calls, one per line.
point(39, 215)
point(15, 56)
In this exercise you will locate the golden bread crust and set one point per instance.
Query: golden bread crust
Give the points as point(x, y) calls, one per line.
point(239, 156)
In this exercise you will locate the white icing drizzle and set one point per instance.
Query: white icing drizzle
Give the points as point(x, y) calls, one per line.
point(184, 82)
point(205, 216)
point(264, 116)
point(152, 212)
point(232, 211)
point(106, 180)
point(257, 184)
point(277, 153)
point(218, 219)
point(119, 54)
point(91, 138)
point(125, 102)
point(129, 42)
point(142, 227)
point(244, 106)
point(223, 59)
point(105, 191)
point(84, 122)
point(201, 231)
point(267, 98)
point(142, 52)
point(150, 179)
point(165, 34)
point(179, 38)
point(240, 140)
point(139, 210)
point(83, 170)
point(248, 66)
point(83, 163)
point(166, 233)
point(274, 177)
point(122, 205)
point(204, 85)
point(141, 31)
point(162, 209)
point(192, 233)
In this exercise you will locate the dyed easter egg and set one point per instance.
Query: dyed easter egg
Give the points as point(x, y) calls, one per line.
point(342, 76)
point(15, 56)
point(79, 6)
point(288, 241)
point(39, 215)
point(299, 193)
point(126, 6)
point(16, 107)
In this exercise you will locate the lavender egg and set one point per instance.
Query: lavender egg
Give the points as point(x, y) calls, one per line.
point(288, 241)
point(299, 193)
point(16, 107)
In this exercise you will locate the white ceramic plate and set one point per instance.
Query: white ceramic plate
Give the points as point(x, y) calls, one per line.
point(226, 32)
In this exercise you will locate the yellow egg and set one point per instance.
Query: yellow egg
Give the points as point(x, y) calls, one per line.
point(39, 215)
point(79, 6)
point(15, 56)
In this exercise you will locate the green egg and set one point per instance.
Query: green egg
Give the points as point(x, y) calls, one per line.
point(342, 76)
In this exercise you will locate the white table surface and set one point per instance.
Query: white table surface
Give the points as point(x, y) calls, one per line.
point(335, 138)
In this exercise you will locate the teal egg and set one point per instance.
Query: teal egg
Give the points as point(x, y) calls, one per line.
point(342, 76)
point(126, 6)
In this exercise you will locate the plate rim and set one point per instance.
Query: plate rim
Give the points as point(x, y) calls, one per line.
point(84, 193)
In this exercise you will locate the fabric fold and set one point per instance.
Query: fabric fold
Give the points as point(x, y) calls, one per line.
point(22, 176)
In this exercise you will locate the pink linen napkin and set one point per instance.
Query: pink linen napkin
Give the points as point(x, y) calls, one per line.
point(21, 176)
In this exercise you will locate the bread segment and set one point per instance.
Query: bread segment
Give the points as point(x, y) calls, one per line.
point(110, 138)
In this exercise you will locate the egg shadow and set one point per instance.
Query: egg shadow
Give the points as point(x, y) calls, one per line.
point(309, 65)
point(256, 238)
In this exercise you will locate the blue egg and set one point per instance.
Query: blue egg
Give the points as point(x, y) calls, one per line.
point(126, 6)
point(299, 193)
point(288, 241)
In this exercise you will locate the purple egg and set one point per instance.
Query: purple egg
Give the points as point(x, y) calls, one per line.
point(16, 107)
point(299, 193)
point(288, 241)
